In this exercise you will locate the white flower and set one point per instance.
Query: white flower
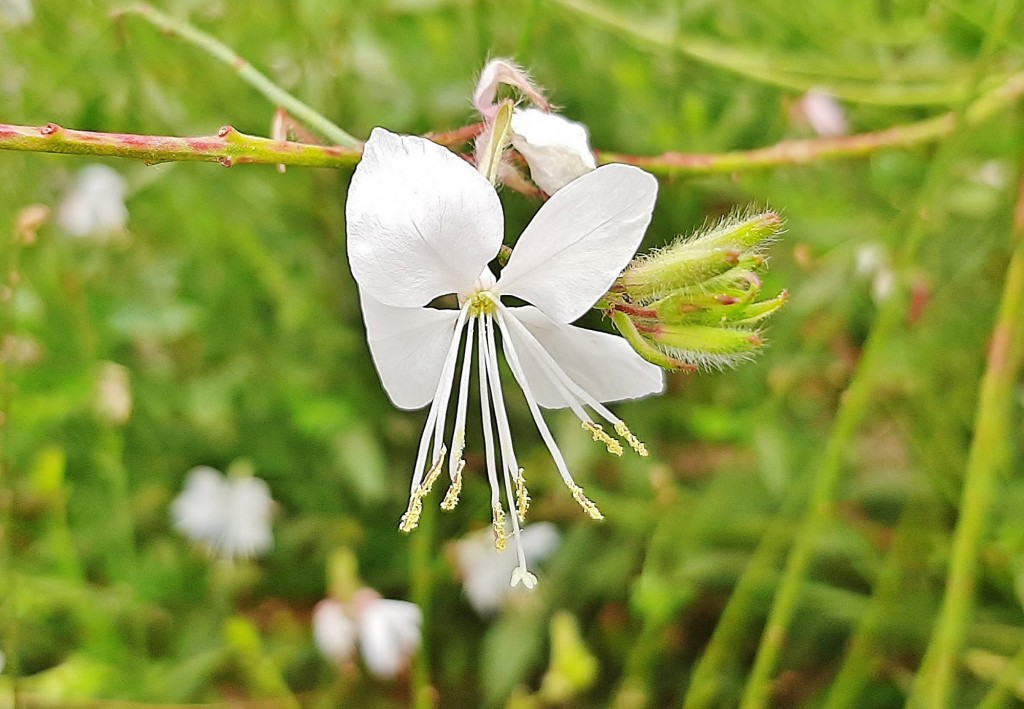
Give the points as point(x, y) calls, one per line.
point(94, 206)
point(485, 572)
point(556, 149)
point(16, 13)
point(112, 401)
point(422, 223)
point(823, 114)
point(231, 517)
point(388, 631)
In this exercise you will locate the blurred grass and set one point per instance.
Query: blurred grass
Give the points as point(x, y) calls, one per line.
point(231, 305)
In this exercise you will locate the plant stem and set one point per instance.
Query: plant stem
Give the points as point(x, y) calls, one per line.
point(801, 152)
point(422, 562)
point(229, 147)
point(989, 455)
point(760, 66)
point(245, 71)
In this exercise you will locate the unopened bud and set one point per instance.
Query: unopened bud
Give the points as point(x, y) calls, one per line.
point(696, 303)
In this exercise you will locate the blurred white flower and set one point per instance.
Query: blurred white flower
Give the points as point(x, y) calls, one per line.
point(334, 632)
point(872, 262)
point(556, 149)
point(229, 516)
point(485, 572)
point(113, 398)
point(388, 631)
point(94, 206)
point(16, 13)
point(823, 114)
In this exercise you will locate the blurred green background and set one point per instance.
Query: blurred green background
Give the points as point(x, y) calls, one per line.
point(230, 304)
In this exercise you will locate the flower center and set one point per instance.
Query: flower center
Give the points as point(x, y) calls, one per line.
point(482, 303)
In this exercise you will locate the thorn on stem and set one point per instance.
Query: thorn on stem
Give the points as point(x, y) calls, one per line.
point(226, 161)
point(50, 129)
point(225, 131)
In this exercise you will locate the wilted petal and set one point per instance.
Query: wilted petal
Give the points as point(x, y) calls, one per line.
point(603, 365)
point(503, 71)
point(333, 631)
point(409, 346)
point(580, 241)
point(422, 222)
point(556, 149)
point(389, 633)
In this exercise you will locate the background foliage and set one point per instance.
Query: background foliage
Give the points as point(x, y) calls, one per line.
point(231, 306)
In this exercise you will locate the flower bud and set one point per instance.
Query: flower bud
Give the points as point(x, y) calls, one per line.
point(696, 303)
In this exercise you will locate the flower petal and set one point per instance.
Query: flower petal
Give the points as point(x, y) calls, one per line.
point(409, 346)
point(603, 365)
point(389, 634)
point(333, 631)
point(556, 149)
point(580, 241)
point(422, 222)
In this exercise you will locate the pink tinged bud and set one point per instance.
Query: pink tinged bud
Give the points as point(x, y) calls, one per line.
point(823, 114)
point(504, 71)
point(556, 149)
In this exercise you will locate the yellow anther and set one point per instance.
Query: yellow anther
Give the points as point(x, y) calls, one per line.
point(411, 519)
point(613, 446)
point(451, 498)
point(522, 497)
point(588, 506)
point(634, 442)
point(500, 535)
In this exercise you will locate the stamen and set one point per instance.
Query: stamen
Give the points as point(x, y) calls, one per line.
point(498, 521)
point(522, 497)
point(613, 446)
point(455, 463)
point(451, 498)
point(634, 442)
point(588, 506)
point(411, 519)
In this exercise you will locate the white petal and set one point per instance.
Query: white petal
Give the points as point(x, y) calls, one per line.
point(422, 222)
point(409, 346)
point(333, 631)
point(247, 518)
point(95, 204)
point(198, 512)
point(580, 241)
point(389, 633)
point(556, 149)
point(603, 365)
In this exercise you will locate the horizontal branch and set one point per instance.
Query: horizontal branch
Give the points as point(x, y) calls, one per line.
point(228, 147)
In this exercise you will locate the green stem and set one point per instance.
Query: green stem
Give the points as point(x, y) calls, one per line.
point(422, 562)
point(228, 147)
point(989, 455)
point(802, 152)
point(246, 72)
point(1011, 675)
point(796, 75)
